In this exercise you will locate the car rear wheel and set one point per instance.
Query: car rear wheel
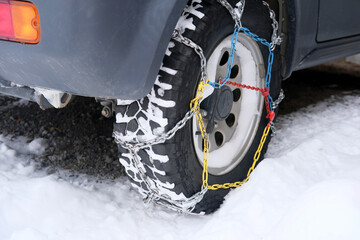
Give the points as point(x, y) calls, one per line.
point(174, 167)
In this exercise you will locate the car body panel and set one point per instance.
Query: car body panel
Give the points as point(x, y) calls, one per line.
point(113, 49)
point(338, 19)
point(302, 50)
point(110, 48)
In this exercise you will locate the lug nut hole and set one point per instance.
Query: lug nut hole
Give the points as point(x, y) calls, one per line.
point(236, 94)
point(224, 58)
point(230, 120)
point(234, 71)
point(219, 138)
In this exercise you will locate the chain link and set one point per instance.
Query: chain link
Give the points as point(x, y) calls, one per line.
point(187, 205)
point(160, 139)
point(251, 169)
point(236, 12)
point(182, 206)
point(275, 39)
point(275, 105)
point(280, 98)
point(199, 51)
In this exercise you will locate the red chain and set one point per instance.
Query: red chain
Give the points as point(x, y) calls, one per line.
point(265, 92)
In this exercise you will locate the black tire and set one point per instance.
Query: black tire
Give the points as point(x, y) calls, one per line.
point(173, 166)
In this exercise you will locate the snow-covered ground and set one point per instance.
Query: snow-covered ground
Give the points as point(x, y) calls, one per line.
point(308, 187)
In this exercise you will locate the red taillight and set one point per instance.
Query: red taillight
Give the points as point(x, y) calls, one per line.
point(6, 27)
point(19, 21)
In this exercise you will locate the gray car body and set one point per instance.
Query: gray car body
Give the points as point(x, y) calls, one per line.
point(113, 49)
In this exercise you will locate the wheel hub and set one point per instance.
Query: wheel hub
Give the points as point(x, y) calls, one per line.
point(217, 106)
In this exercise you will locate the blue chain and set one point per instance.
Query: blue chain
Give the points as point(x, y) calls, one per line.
point(231, 59)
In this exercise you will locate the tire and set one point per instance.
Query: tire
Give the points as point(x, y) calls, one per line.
point(174, 167)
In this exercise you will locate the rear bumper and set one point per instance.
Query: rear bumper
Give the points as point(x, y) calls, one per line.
point(106, 48)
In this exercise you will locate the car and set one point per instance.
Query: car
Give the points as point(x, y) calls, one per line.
point(194, 85)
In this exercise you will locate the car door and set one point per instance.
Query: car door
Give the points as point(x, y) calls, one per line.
point(338, 19)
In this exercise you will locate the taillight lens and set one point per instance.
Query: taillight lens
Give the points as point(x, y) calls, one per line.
point(19, 22)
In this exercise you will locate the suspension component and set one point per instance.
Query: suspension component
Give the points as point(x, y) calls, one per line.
point(108, 107)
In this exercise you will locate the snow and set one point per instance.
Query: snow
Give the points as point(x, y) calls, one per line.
point(169, 70)
point(185, 21)
point(308, 187)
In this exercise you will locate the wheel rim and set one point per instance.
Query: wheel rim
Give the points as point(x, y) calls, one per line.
point(232, 138)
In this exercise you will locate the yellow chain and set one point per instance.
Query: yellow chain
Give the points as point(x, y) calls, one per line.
point(195, 106)
point(195, 103)
point(255, 160)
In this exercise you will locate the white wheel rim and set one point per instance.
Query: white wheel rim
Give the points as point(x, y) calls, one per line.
point(232, 138)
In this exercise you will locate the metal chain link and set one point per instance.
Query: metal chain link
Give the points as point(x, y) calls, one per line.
point(277, 102)
point(275, 105)
point(160, 139)
point(275, 39)
point(182, 206)
point(236, 12)
point(187, 205)
point(199, 51)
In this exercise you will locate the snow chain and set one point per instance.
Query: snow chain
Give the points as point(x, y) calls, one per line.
point(188, 205)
